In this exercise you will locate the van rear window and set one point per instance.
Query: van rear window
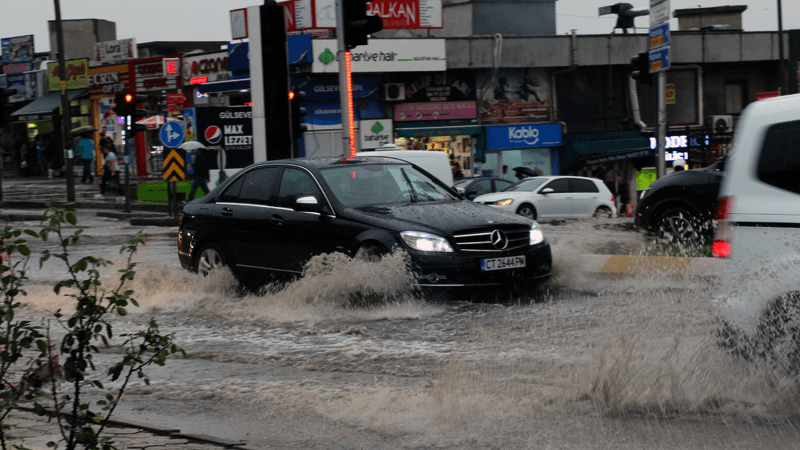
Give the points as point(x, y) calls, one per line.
point(779, 162)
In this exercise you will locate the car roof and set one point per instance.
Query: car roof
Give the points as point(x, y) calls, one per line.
point(322, 163)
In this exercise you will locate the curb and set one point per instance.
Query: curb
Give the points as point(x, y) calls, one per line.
point(668, 266)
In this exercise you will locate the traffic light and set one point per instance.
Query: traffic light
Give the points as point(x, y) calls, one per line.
point(295, 99)
point(641, 64)
point(5, 105)
point(132, 100)
point(357, 24)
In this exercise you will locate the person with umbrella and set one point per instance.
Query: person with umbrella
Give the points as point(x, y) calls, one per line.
point(86, 151)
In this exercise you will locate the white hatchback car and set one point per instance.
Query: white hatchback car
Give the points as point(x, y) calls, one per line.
point(554, 197)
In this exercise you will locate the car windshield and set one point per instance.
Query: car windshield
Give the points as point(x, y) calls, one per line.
point(374, 184)
point(526, 185)
point(463, 181)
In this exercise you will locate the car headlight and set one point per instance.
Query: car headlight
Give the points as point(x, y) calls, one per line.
point(536, 234)
point(504, 202)
point(426, 242)
point(641, 196)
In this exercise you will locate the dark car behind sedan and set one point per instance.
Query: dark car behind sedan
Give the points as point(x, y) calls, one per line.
point(473, 187)
point(679, 208)
point(273, 217)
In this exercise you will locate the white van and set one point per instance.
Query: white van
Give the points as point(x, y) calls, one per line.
point(435, 163)
point(758, 213)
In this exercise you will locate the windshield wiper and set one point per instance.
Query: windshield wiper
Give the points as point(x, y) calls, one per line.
point(410, 186)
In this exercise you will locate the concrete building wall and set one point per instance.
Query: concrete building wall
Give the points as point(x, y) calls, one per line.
point(733, 20)
point(514, 18)
point(80, 36)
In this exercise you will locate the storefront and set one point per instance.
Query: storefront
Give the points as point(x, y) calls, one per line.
point(464, 143)
point(535, 146)
point(147, 77)
point(104, 83)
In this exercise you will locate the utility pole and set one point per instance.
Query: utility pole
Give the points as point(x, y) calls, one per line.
point(66, 121)
point(343, 56)
point(784, 75)
point(662, 124)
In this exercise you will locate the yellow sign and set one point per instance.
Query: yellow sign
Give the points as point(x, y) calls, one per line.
point(174, 166)
point(670, 93)
point(645, 178)
point(656, 65)
point(77, 75)
point(656, 41)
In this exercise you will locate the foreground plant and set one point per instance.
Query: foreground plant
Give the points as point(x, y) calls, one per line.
point(80, 422)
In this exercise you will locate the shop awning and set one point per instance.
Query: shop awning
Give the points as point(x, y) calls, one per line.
point(599, 148)
point(466, 129)
point(224, 86)
point(44, 107)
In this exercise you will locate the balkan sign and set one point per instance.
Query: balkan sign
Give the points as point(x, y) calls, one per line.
point(17, 49)
point(375, 133)
point(435, 111)
point(396, 14)
point(112, 51)
point(77, 75)
point(384, 55)
point(503, 137)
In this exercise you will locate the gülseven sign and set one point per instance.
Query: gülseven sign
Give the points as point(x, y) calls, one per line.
point(396, 14)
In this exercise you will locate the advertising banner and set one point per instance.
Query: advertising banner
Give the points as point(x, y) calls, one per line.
point(150, 76)
point(375, 133)
point(17, 68)
point(453, 85)
point(77, 75)
point(214, 66)
point(113, 51)
point(327, 88)
point(396, 14)
point(329, 113)
point(16, 50)
point(384, 55)
point(223, 127)
point(108, 80)
point(523, 136)
point(25, 86)
point(405, 112)
point(513, 96)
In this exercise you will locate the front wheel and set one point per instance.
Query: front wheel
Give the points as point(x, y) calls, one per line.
point(679, 226)
point(210, 259)
point(527, 211)
point(369, 253)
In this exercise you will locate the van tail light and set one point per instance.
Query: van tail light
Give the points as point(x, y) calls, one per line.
point(612, 197)
point(721, 247)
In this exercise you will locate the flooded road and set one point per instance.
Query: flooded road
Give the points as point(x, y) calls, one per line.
point(590, 363)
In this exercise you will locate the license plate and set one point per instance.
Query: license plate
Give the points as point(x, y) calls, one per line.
point(512, 262)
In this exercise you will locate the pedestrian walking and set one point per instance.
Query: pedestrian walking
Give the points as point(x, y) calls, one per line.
point(201, 173)
point(43, 155)
point(110, 171)
point(624, 192)
point(85, 150)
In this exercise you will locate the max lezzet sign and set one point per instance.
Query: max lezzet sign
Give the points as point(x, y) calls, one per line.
point(383, 55)
point(374, 133)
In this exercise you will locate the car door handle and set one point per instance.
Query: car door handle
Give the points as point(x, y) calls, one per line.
point(277, 220)
point(227, 212)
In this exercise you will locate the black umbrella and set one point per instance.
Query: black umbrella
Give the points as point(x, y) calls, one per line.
point(525, 171)
point(84, 129)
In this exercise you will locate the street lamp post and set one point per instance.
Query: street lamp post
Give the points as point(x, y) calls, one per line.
point(66, 122)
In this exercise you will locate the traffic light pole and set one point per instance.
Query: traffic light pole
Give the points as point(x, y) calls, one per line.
point(128, 144)
point(343, 57)
point(66, 121)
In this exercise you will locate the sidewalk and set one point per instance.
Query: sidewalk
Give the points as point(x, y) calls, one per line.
point(34, 432)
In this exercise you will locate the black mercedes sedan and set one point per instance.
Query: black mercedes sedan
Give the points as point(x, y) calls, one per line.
point(272, 217)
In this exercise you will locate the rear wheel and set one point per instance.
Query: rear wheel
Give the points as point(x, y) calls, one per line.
point(210, 258)
point(603, 211)
point(527, 210)
point(679, 226)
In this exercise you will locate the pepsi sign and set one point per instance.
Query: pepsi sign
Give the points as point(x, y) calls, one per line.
point(213, 135)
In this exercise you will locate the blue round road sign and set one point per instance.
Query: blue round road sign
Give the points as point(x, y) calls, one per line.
point(172, 134)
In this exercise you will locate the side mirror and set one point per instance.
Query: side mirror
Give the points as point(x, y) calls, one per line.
point(546, 191)
point(308, 204)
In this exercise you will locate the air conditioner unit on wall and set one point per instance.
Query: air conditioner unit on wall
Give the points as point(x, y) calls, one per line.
point(394, 92)
point(721, 124)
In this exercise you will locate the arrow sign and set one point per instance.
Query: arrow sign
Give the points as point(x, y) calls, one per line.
point(174, 166)
point(172, 134)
